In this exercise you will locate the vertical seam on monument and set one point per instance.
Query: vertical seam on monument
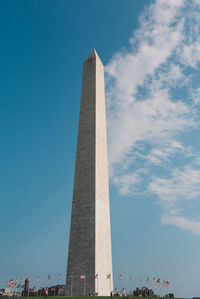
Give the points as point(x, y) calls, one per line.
point(95, 123)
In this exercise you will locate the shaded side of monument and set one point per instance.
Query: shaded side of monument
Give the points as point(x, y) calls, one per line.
point(89, 268)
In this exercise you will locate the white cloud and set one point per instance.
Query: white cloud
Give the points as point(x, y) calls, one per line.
point(191, 54)
point(183, 185)
point(148, 108)
point(183, 223)
point(175, 193)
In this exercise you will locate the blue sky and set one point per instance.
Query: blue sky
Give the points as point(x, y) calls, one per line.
point(150, 50)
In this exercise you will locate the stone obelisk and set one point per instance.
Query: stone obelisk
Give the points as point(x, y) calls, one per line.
point(89, 267)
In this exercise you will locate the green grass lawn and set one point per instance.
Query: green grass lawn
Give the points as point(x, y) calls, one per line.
point(75, 297)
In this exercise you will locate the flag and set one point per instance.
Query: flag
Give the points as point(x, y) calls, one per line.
point(8, 283)
point(49, 277)
point(158, 280)
point(148, 279)
point(131, 277)
point(140, 277)
point(82, 276)
point(59, 277)
point(120, 277)
point(108, 276)
point(166, 283)
point(96, 276)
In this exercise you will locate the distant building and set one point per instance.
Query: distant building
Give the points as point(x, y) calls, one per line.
point(6, 292)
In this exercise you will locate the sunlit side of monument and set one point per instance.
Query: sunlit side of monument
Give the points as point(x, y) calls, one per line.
point(89, 267)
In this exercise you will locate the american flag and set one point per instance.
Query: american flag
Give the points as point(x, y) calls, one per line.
point(96, 276)
point(59, 277)
point(166, 283)
point(49, 277)
point(131, 277)
point(82, 276)
point(108, 276)
point(8, 283)
point(120, 277)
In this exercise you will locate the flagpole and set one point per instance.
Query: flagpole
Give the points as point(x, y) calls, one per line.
point(59, 278)
point(84, 285)
point(58, 283)
point(71, 284)
point(110, 284)
point(97, 284)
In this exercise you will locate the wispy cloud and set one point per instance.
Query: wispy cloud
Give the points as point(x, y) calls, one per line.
point(152, 101)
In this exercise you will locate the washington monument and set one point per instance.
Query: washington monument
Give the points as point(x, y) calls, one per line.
point(89, 268)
